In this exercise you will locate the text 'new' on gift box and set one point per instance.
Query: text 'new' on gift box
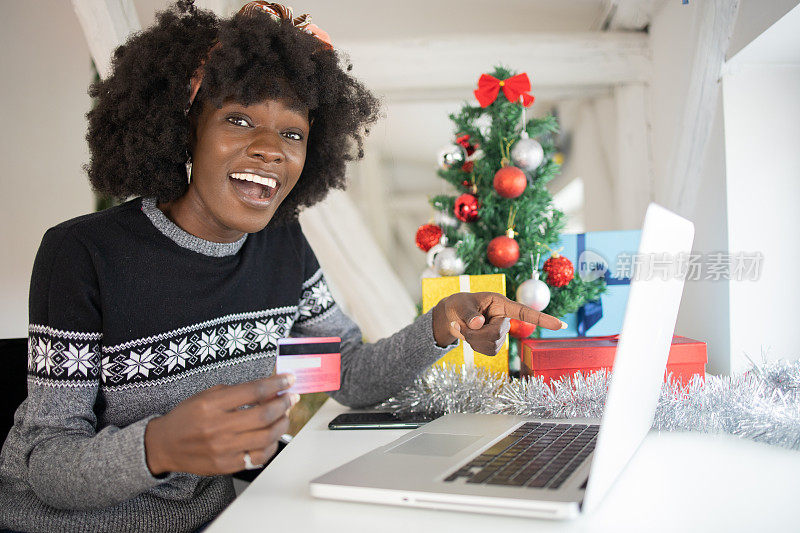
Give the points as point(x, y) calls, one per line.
point(594, 254)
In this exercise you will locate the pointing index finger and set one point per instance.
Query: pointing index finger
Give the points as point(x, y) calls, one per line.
point(526, 314)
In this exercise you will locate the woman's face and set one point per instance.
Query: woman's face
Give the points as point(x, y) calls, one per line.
point(245, 161)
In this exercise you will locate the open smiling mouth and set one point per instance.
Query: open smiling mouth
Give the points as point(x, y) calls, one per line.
point(255, 187)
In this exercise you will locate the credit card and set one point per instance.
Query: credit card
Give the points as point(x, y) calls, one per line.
point(315, 361)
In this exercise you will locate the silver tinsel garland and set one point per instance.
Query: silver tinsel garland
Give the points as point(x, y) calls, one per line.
point(762, 404)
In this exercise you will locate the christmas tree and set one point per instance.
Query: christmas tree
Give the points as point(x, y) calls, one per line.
point(502, 219)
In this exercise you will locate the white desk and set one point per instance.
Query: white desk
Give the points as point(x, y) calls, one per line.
point(677, 482)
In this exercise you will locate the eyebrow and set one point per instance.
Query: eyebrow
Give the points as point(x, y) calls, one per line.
point(297, 105)
point(292, 104)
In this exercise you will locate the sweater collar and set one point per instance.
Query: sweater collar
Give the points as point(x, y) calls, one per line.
point(187, 240)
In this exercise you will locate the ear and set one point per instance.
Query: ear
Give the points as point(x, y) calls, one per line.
point(194, 118)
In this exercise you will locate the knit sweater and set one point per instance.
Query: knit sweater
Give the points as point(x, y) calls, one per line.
point(129, 316)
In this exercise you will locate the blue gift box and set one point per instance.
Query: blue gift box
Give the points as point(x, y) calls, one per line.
point(599, 254)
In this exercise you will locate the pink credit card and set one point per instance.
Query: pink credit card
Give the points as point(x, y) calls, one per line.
point(315, 361)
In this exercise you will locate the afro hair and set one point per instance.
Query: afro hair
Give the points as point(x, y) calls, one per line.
point(139, 130)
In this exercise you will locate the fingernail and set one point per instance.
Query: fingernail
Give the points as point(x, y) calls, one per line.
point(289, 380)
point(294, 398)
point(563, 324)
point(455, 326)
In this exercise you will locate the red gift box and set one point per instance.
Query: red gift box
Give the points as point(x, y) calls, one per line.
point(556, 358)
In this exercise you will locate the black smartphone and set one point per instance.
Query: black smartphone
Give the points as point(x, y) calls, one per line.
point(379, 420)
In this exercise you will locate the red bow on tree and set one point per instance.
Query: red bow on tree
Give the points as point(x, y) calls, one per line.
point(513, 88)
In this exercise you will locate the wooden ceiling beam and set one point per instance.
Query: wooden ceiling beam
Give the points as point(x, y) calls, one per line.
point(626, 15)
point(685, 169)
point(464, 92)
point(633, 15)
point(106, 24)
point(560, 59)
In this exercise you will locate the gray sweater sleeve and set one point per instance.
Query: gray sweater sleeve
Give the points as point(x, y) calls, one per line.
point(372, 372)
point(70, 466)
point(55, 445)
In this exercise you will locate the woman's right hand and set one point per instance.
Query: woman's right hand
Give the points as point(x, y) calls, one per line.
point(209, 433)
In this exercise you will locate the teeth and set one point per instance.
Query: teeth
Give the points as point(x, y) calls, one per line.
point(268, 182)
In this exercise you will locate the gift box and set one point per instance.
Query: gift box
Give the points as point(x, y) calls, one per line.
point(595, 254)
point(556, 358)
point(435, 289)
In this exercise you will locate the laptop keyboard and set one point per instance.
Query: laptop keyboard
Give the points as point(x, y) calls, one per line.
point(534, 455)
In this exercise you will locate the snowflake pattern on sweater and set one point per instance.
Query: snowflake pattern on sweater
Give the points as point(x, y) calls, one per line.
point(130, 316)
point(64, 358)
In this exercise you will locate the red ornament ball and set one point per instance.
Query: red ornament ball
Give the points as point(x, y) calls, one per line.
point(559, 270)
point(510, 182)
point(428, 236)
point(466, 209)
point(503, 251)
point(520, 329)
point(463, 140)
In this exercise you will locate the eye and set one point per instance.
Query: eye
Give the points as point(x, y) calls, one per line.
point(238, 120)
point(294, 135)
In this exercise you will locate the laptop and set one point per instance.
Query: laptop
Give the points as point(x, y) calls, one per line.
point(542, 468)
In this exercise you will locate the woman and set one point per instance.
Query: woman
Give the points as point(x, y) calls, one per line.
point(154, 323)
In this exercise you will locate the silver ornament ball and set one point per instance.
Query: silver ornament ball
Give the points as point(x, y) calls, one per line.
point(445, 220)
point(534, 293)
point(430, 256)
point(452, 155)
point(447, 263)
point(429, 273)
point(527, 154)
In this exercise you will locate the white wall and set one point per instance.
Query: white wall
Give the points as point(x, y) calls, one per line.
point(46, 72)
point(762, 133)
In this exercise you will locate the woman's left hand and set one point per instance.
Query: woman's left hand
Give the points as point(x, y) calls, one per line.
point(483, 319)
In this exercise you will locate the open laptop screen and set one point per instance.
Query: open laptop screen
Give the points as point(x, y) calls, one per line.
point(643, 347)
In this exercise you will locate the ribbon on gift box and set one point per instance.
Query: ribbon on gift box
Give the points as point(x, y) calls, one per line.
point(469, 353)
point(591, 312)
point(438, 288)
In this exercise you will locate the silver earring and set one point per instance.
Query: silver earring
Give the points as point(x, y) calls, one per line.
point(189, 171)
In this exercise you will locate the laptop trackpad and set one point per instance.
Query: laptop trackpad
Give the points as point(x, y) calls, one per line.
point(440, 444)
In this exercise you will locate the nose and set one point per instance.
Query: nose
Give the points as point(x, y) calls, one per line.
point(266, 146)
